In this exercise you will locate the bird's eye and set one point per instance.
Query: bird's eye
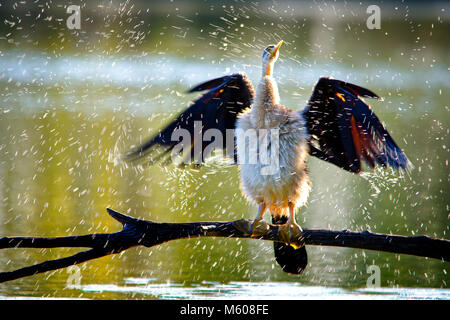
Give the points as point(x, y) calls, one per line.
point(268, 50)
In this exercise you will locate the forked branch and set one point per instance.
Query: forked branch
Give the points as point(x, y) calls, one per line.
point(136, 232)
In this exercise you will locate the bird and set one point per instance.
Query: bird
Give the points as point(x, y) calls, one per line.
point(336, 126)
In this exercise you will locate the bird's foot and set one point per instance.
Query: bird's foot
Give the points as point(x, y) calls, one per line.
point(255, 228)
point(259, 227)
point(291, 234)
point(243, 225)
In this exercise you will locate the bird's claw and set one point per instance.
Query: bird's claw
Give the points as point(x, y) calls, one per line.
point(254, 228)
point(259, 227)
point(291, 234)
point(243, 225)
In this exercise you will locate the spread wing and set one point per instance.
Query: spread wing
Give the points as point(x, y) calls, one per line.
point(344, 130)
point(216, 110)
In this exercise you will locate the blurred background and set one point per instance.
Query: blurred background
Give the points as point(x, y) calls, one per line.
point(70, 100)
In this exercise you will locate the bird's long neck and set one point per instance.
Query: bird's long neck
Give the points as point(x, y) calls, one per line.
point(267, 92)
point(267, 68)
point(266, 97)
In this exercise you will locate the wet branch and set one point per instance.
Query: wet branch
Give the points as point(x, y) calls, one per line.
point(136, 232)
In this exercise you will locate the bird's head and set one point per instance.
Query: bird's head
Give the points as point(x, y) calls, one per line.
point(270, 55)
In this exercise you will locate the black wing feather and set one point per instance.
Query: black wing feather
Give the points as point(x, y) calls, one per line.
point(344, 130)
point(218, 109)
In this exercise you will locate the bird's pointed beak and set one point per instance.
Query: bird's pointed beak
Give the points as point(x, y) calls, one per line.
point(277, 48)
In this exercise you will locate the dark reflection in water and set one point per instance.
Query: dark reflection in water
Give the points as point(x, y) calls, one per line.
point(65, 110)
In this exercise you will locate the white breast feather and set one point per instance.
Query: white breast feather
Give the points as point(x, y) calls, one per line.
point(291, 182)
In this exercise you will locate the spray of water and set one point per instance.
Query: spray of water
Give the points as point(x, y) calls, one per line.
point(382, 179)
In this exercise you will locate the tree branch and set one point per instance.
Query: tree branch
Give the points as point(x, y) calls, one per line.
point(136, 232)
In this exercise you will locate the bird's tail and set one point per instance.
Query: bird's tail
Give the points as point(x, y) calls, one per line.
point(290, 260)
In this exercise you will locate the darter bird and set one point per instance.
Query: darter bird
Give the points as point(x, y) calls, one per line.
point(336, 126)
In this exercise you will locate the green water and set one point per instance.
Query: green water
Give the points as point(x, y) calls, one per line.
point(69, 100)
